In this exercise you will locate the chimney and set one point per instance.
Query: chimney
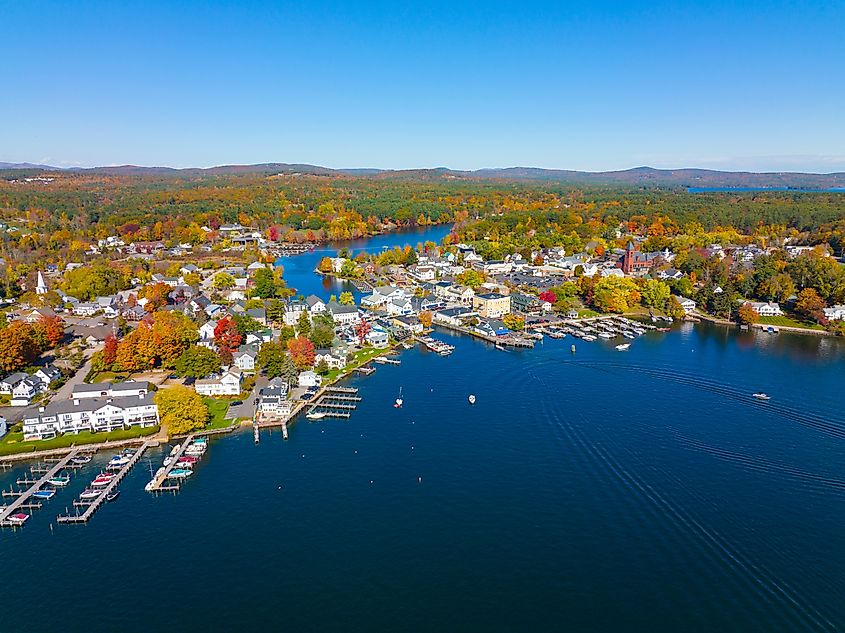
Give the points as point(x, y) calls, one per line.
point(40, 409)
point(108, 400)
point(76, 402)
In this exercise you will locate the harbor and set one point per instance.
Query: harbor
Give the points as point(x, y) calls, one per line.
point(334, 402)
point(88, 504)
point(178, 465)
point(10, 515)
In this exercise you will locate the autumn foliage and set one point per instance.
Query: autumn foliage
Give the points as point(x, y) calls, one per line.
point(301, 352)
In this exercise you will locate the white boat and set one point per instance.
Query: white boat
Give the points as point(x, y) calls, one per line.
point(119, 460)
point(623, 347)
point(471, 398)
point(606, 335)
point(59, 481)
point(80, 460)
point(89, 494)
point(399, 401)
point(179, 473)
point(315, 415)
point(761, 396)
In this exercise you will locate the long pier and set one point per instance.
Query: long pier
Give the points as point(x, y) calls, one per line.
point(91, 508)
point(23, 499)
point(159, 480)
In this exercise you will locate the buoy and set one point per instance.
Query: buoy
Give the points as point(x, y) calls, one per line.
point(573, 349)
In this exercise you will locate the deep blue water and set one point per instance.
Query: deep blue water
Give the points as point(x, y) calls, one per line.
point(600, 491)
point(299, 269)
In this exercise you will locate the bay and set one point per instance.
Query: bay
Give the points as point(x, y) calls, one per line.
point(594, 491)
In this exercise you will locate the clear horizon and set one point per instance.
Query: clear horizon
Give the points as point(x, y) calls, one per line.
point(598, 87)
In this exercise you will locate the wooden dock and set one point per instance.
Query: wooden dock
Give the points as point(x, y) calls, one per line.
point(159, 482)
point(94, 505)
point(22, 499)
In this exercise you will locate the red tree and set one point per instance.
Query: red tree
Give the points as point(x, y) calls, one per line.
point(302, 352)
point(362, 328)
point(549, 296)
point(110, 350)
point(227, 338)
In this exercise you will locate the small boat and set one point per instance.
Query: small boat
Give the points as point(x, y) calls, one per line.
point(399, 401)
point(59, 481)
point(88, 493)
point(18, 519)
point(119, 460)
point(179, 473)
point(174, 450)
point(100, 483)
point(623, 347)
point(189, 459)
point(315, 415)
point(44, 494)
point(81, 460)
point(471, 398)
point(607, 335)
point(195, 449)
point(200, 440)
point(761, 396)
point(113, 495)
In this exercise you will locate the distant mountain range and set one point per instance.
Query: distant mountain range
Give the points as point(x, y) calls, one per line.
point(638, 176)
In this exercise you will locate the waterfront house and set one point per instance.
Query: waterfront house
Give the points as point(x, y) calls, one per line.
point(766, 308)
point(90, 414)
point(309, 379)
point(453, 316)
point(687, 304)
point(227, 383)
point(334, 359)
point(401, 306)
point(408, 323)
point(273, 399)
point(25, 390)
point(492, 305)
point(835, 313)
point(378, 337)
point(529, 303)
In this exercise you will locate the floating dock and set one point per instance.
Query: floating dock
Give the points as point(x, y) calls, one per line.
point(158, 483)
point(94, 505)
point(22, 500)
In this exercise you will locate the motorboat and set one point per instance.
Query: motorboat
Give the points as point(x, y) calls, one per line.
point(119, 460)
point(113, 495)
point(179, 473)
point(44, 494)
point(607, 335)
point(761, 396)
point(81, 460)
point(189, 459)
point(315, 415)
point(399, 401)
point(471, 398)
point(88, 493)
point(623, 347)
point(18, 519)
point(60, 481)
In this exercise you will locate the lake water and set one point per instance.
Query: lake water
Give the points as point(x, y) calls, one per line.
point(600, 491)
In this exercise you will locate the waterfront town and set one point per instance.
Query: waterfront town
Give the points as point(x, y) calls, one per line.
point(193, 343)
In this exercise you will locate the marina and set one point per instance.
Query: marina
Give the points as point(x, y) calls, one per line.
point(108, 492)
point(175, 469)
point(22, 498)
point(334, 402)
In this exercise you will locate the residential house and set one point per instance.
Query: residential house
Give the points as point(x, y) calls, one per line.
point(529, 303)
point(766, 308)
point(333, 359)
point(273, 399)
point(835, 313)
point(245, 358)
point(8, 383)
point(409, 324)
point(310, 379)
point(227, 383)
point(111, 389)
point(378, 337)
point(453, 316)
point(400, 306)
point(293, 311)
point(25, 390)
point(47, 374)
point(687, 304)
point(315, 305)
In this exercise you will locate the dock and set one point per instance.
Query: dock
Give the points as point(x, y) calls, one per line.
point(336, 402)
point(383, 360)
point(22, 500)
point(158, 484)
point(364, 370)
point(94, 505)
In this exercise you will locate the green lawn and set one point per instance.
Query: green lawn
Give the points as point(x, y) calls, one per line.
point(786, 321)
point(13, 442)
point(106, 376)
point(217, 410)
point(361, 357)
point(586, 313)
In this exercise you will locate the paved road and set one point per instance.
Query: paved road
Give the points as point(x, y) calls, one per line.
point(247, 409)
point(15, 414)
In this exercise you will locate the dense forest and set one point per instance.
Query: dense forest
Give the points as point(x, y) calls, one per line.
point(60, 218)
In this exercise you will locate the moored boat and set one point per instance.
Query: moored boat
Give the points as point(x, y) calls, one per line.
point(113, 495)
point(88, 493)
point(179, 473)
point(623, 347)
point(761, 396)
point(44, 494)
point(315, 415)
point(60, 481)
point(18, 519)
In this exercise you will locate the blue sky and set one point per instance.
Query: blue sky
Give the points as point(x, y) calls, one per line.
point(589, 85)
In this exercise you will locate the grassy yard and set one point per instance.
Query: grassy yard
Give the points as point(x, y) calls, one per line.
point(13, 443)
point(361, 357)
point(217, 410)
point(786, 321)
